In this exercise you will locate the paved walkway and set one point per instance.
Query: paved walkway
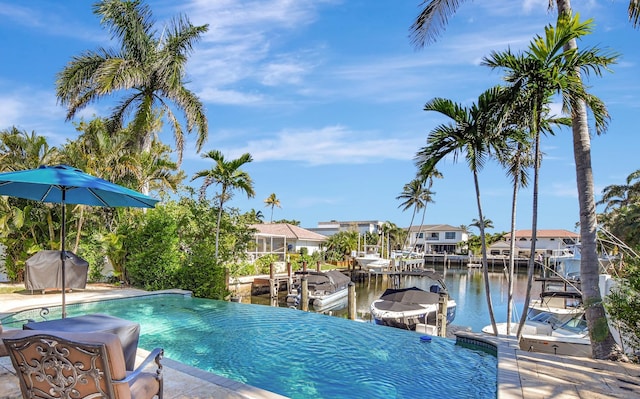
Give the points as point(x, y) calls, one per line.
point(521, 374)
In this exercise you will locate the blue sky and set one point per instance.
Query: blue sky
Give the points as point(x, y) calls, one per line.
point(328, 98)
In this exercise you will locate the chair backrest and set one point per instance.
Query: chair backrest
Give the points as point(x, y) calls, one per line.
point(68, 365)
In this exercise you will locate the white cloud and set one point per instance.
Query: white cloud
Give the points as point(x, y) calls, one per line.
point(284, 72)
point(329, 145)
point(10, 111)
point(213, 95)
point(563, 189)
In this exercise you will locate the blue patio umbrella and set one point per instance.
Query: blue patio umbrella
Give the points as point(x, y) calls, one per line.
point(65, 184)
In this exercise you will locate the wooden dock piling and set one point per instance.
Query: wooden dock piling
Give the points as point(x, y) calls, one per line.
point(351, 301)
point(289, 278)
point(442, 314)
point(273, 285)
point(304, 296)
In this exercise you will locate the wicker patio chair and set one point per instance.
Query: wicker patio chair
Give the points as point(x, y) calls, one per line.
point(80, 365)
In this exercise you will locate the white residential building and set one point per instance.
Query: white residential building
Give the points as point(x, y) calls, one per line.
point(548, 242)
point(437, 239)
point(330, 228)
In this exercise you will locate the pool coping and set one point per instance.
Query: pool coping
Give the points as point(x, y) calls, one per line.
point(240, 388)
point(508, 383)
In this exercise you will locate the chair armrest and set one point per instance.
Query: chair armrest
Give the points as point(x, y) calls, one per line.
point(157, 355)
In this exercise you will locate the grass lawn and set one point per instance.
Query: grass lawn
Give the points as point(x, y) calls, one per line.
point(8, 288)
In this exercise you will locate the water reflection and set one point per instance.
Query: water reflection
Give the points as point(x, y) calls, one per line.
point(465, 285)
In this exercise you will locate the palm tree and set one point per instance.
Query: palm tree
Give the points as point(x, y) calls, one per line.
point(342, 243)
point(395, 235)
point(229, 176)
point(621, 195)
point(429, 183)
point(516, 162)
point(415, 196)
point(473, 133)
point(149, 70)
point(426, 28)
point(547, 68)
point(20, 150)
point(486, 223)
point(255, 217)
point(622, 209)
point(272, 201)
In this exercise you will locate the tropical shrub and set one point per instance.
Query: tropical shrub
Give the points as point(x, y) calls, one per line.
point(263, 263)
point(623, 304)
point(153, 250)
point(92, 250)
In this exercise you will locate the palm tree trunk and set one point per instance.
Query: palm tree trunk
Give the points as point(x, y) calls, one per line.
point(512, 244)
point(415, 244)
point(603, 344)
point(534, 227)
point(409, 230)
point(222, 194)
point(485, 267)
point(218, 229)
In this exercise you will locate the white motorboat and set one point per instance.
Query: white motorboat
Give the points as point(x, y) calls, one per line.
point(373, 263)
point(325, 288)
point(546, 333)
point(406, 307)
point(566, 262)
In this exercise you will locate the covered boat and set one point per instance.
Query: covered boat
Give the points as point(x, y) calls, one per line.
point(325, 288)
point(406, 307)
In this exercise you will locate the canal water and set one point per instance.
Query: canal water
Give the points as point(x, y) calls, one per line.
point(465, 286)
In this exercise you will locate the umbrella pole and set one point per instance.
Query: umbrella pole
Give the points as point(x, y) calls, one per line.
point(62, 256)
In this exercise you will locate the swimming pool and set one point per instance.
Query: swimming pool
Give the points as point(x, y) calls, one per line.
point(300, 354)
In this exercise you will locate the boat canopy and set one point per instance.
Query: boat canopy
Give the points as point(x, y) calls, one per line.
point(405, 299)
point(329, 281)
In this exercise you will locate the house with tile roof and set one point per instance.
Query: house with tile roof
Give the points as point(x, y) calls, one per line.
point(548, 242)
point(282, 239)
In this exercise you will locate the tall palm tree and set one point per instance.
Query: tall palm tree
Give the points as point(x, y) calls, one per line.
point(429, 183)
point(229, 176)
point(415, 196)
point(148, 69)
point(517, 163)
point(529, 97)
point(426, 28)
point(435, 14)
point(547, 68)
point(272, 201)
point(471, 132)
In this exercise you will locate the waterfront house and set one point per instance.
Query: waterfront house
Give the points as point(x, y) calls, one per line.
point(548, 242)
point(438, 239)
point(282, 239)
point(333, 227)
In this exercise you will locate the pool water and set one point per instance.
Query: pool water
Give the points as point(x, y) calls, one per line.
point(301, 354)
